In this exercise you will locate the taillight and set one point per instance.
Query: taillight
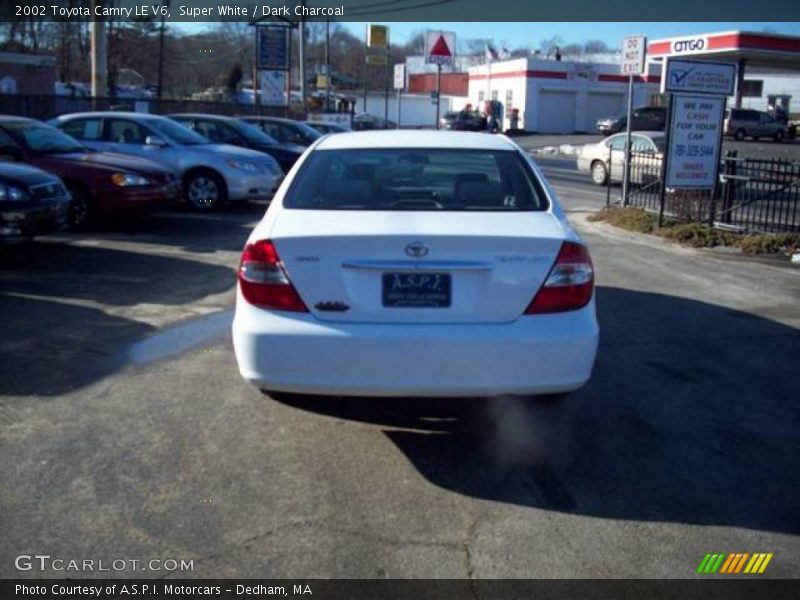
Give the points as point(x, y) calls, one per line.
point(570, 282)
point(263, 280)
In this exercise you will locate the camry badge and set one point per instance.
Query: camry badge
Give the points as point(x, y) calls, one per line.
point(417, 250)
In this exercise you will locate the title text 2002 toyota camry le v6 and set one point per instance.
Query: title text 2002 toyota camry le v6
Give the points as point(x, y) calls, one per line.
point(408, 263)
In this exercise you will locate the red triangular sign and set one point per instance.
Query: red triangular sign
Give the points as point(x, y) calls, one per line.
point(440, 48)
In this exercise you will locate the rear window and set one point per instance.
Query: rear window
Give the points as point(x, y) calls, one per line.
point(416, 179)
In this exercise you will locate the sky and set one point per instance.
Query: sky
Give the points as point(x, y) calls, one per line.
point(524, 34)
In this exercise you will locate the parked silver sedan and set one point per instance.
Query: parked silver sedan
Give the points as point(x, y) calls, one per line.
point(608, 156)
point(212, 174)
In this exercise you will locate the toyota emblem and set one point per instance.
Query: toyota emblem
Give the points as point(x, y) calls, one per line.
point(417, 250)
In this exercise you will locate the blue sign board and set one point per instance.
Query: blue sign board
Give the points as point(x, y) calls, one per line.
point(273, 48)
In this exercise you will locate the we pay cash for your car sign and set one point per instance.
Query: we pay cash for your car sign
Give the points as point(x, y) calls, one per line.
point(695, 141)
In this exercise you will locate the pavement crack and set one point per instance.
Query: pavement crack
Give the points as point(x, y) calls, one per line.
point(469, 539)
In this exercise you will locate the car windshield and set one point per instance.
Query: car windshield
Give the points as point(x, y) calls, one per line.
point(253, 134)
point(43, 139)
point(416, 179)
point(177, 133)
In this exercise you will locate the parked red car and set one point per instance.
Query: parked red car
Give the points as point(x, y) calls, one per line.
point(101, 183)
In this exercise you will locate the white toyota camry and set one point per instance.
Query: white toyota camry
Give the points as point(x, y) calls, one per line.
point(399, 263)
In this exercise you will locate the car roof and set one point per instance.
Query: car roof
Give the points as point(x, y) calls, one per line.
point(415, 138)
point(650, 134)
point(200, 116)
point(111, 113)
point(15, 119)
point(265, 118)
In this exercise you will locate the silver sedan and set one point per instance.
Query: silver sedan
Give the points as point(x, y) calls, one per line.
point(212, 174)
point(608, 157)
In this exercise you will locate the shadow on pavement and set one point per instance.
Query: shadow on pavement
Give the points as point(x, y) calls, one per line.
point(56, 340)
point(225, 229)
point(690, 417)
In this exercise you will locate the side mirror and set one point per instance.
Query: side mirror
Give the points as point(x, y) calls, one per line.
point(154, 140)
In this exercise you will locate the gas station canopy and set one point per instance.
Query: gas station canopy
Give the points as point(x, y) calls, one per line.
point(764, 52)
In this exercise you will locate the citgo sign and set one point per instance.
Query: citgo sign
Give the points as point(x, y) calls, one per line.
point(689, 45)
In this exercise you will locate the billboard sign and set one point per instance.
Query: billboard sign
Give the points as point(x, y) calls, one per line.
point(698, 77)
point(272, 88)
point(440, 47)
point(273, 48)
point(694, 141)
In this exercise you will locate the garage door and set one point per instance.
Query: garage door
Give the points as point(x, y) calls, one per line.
point(556, 112)
point(600, 105)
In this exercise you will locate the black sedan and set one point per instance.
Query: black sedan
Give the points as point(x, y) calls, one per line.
point(463, 121)
point(325, 128)
point(32, 201)
point(228, 130)
point(286, 131)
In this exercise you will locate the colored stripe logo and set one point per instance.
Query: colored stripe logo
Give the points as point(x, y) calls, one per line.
point(737, 562)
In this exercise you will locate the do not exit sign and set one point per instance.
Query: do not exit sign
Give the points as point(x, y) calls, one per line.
point(634, 49)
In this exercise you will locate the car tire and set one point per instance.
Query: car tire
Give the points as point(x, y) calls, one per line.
point(204, 190)
point(779, 135)
point(599, 173)
point(739, 134)
point(80, 212)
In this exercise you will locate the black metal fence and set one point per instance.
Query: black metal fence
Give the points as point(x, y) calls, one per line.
point(752, 194)
point(46, 107)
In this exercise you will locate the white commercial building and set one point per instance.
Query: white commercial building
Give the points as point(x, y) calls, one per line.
point(557, 96)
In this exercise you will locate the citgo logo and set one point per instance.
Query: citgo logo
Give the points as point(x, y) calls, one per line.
point(689, 45)
point(734, 563)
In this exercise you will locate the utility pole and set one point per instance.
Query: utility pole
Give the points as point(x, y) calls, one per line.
point(99, 63)
point(161, 55)
point(303, 58)
point(328, 64)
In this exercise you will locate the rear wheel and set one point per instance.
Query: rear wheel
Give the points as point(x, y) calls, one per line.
point(599, 172)
point(778, 137)
point(204, 190)
point(739, 135)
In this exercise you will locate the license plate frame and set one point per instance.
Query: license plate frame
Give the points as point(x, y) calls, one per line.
point(416, 290)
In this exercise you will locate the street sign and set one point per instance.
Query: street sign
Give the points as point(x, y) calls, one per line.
point(440, 47)
point(634, 53)
point(322, 81)
point(377, 36)
point(272, 88)
point(400, 76)
point(273, 48)
point(694, 141)
point(698, 77)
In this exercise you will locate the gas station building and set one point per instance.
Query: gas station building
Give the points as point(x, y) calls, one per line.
point(552, 96)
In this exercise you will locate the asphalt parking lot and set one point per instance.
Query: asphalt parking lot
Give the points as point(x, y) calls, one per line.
point(126, 431)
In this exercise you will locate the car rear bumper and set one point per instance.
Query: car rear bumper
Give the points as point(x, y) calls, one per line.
point(295, 352)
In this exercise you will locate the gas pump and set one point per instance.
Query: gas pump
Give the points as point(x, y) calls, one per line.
point(513, 119)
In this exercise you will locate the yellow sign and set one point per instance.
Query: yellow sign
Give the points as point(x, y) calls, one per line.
point(322, 81)
point(377, 59)
point(377, 36)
